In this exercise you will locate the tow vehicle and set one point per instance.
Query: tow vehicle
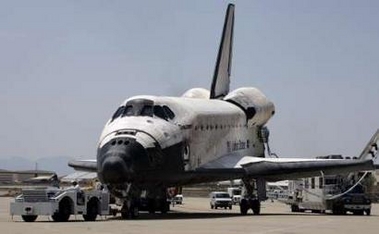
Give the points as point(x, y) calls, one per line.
point(60, 203)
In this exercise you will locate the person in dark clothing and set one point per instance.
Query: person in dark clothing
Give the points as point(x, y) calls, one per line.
point(55, 181)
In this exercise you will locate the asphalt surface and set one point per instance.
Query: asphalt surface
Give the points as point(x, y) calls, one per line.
point(195, 216)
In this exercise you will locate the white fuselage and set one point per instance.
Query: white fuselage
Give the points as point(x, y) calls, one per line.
point(208, 129)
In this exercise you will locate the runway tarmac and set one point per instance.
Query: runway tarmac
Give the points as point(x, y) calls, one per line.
point(195, 216)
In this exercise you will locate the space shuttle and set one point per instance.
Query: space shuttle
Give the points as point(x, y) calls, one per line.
point(152, 143)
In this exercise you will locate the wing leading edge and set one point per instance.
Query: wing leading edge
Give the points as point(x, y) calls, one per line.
point(274, 170)
point(84, 165)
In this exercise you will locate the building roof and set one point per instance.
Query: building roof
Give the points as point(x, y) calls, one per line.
point(78, 176)
point(40, 172)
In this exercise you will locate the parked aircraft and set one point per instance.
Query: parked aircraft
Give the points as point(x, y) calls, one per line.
point(154, 142)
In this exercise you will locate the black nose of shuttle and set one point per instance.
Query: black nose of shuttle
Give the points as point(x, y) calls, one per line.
point(115, 170)
point(121, 161)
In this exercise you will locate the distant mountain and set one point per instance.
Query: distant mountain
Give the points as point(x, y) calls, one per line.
point(57, 164)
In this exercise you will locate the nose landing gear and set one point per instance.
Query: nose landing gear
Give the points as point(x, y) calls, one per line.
point(130, 209)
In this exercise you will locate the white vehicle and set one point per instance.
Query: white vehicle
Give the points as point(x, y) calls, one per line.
point(178, 199)
point(321, 194)
point(235, 194)
point(60, 204)
point(220, 199)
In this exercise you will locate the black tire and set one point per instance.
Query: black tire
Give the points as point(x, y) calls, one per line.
point(92, 210)
point(358, 212)
point(151, 205)
point(131, 212)
point(64, 211)
point(295, 208)
point(244, 206)
point(338, 209)
point(368, 212)
point(124, 214)
point(114, 212)
point(29, 218)
point(255, 206)
point(125, 211)
point(230, 207)
point(134, 211)
point(165, 206)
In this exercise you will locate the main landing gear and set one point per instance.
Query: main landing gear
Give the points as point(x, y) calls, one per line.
point(250, 200)
point(158, 204)
point(130, 209)
point(157, 200)
point(151, 201)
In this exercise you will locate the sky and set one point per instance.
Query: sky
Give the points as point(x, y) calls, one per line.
point(65, 66)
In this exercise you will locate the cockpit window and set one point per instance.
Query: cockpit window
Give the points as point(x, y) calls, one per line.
point(143, 107)
point(168, 112)
point(147, 111)
point(158, 111)
point(128, 111)
point(118, 112)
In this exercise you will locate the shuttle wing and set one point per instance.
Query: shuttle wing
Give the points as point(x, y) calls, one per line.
point(278, 169)
point(84, 165)
point(282, 169)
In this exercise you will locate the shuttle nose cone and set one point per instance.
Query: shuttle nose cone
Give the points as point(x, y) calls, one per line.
point(114, 170)
point(121, 163)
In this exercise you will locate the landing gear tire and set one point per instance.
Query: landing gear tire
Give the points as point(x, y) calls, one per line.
point(125, 210)
point(151, 206)
point(130, 211)
point(124, 215)
point(368, 212)
point(165, 206)
point(134, 212)
point(255, 206)
point(29, 218)
point(244, 206)
point(295, 208)
point(358, 212)
point(338, 210)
